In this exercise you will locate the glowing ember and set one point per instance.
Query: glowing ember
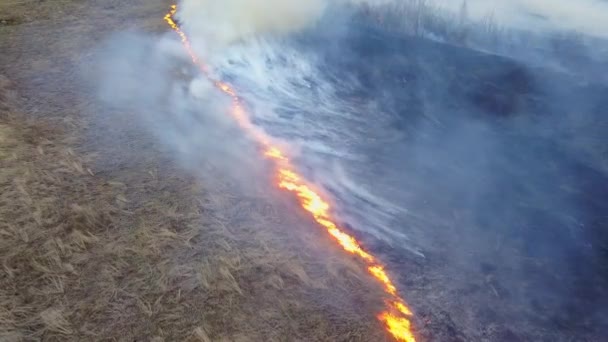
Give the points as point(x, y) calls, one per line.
point(396, 316)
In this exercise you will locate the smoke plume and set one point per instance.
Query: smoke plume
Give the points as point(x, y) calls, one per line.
point(215, 24)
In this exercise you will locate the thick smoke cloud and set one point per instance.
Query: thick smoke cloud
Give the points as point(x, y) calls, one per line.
point(215, 24)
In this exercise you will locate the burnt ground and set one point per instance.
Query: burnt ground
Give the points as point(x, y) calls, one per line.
point(105, 236)
point(502, 167)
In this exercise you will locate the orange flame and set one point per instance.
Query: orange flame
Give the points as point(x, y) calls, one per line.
point(396, 317)
point(378, 272)
point(399, 327)
point(275, 153)
point(402, 308)
point(169, 19)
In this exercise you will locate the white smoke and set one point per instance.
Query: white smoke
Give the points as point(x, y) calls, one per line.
point(215, 24)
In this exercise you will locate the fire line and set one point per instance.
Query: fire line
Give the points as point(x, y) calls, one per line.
point(396, 315)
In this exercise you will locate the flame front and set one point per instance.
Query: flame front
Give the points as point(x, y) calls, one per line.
point(396, 316)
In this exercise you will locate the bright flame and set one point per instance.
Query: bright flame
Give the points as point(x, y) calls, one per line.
point(399, 327)
point(402, 308)
point(275, 153)
point(396, 316)
point(378, 272)
point(169, 19)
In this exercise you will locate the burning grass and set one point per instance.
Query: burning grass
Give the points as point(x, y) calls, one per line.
point(141, 250)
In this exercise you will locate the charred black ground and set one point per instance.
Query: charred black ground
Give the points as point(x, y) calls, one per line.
point(502, 167)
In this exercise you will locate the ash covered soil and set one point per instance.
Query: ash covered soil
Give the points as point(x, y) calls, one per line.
point(502, 168)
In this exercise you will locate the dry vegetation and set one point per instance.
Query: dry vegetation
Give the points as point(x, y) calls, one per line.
point(116, 242)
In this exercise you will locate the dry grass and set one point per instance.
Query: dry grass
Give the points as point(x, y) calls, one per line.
point(142, 250)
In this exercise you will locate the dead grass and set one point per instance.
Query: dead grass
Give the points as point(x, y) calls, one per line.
point(81, 261)
point(143, 250)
